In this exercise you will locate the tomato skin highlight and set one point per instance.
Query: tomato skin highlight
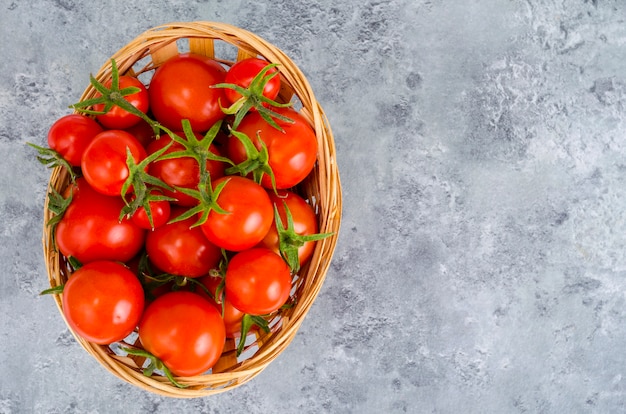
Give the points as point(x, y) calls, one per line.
point(118, 118)
point(180, 249)
point(103, 302)
point(71, 134)
point(104, 160)
point(181, 89)
point(90, 229)
point(249, 217)
point(184, 331)
point(258, 281)
point(292, 153)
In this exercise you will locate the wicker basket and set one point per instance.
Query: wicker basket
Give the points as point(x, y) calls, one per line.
point(322, 188)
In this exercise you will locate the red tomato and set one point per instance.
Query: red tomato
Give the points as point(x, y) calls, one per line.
point(181, 172)
point(304, 222)
point(292, 153)
point(160, 211)
point(103, 302)
point(231, 315)
point(249, 215)
point(118, 118)
point(143, 132)
point(242, 73)
point(181, 89)
point(184, 331)
point(104, 160)
point(90, 229)
point(180, 249)
point(258, 281)
point(71, 134)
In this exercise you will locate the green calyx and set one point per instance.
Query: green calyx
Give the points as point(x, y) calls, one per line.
point(57, 204)
point(207, 201)
point(51, 159)
point(289, 242)
point(257, 161)
point(247, 322)
point(252, 97)
point(114, 96)
point(142, 185)
point(155, 364)
point(198, 149)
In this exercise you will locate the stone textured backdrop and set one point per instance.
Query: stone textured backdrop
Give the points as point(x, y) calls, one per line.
point(481, 265)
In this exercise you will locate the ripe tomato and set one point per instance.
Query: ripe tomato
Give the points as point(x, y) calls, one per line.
point(231, 315)
point(143, 132)
point(181, 89)
point(180, 249)
point(103, 302)
point(249, 217)
point(292, 153)
point(104, 160)
point(118, 118)
point(90, 229)
point(181, 172)
point(258, 281)
point(304, 222)
point(71, 134)
point(242, 73)
point(184, 331)
point(160, 211)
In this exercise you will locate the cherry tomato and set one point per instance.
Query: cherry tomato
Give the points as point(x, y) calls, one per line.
point(160, 211)
point(180, 249)
point(118, 118)
point(184, 331)
point(231, 315)
point(181, 89)
point(292, 153)
point(143, 132)
point(304, 222)
point(103, 302)
point(71, 134)
point(104, 160)
point(249, 216)
point(183, 171)
point(242, 73)
point(90, 229)
point(258, 281)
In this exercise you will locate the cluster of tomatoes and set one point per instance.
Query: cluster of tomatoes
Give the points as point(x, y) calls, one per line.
point(182, 220)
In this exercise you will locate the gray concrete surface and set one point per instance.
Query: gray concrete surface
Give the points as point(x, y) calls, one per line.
point(481, 266)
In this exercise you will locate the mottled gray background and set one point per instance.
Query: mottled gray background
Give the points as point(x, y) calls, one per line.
point(481, 265)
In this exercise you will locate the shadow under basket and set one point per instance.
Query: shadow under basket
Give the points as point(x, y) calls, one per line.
point(322, 189)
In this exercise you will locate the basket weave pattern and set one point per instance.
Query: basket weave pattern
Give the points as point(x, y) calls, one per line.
point(322, 189)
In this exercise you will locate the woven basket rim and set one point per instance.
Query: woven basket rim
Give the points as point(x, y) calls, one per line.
point(323, 189)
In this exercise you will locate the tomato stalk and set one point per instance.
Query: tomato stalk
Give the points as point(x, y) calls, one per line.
point(247, 322)
point(155, 364)
point(51, 159)
point(57, 204)
point(289, 241)
point(195, 148)
point(252, 97)
point(57, 290)
point(257, 161)
point(207, 200)
point(114, 96)
point(140, 181)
